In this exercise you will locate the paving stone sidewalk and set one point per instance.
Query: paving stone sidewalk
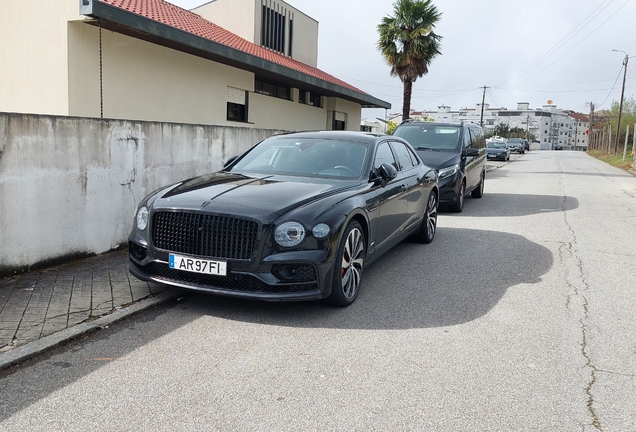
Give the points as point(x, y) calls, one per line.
point(40, 303)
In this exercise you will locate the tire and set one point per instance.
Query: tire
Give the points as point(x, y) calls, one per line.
point(458, 207)
point(428, 226)
point(348, 266)
point(478, 192)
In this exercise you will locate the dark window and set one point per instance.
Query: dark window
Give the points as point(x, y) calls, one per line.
point(384, 155)
point(273, 29)
point(271, 89)
point(236, 112)
point(403, 156)
point(366, 128)
point(236, 104)
point(291, 36)
point(338, 125)
point(339, 121)
point(309, 98)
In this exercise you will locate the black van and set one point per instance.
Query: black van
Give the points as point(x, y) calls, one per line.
point(456, 150)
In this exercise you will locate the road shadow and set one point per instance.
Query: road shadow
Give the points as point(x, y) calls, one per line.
point(507, 205)
point(412, 286)
point(458, 278)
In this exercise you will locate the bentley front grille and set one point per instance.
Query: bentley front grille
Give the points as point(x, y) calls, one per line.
point(205, 235)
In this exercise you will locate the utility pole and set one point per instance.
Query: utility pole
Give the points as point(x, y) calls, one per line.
point(527, 125)
point(590, 130)
point(620, 108)
point(483, 100)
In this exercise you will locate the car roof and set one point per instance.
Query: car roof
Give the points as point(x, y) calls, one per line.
point(335, 135)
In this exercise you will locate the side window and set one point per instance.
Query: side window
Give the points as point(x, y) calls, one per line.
point(403, 156)
point(384, 155)
point(478, 138)
point(468, 141)
point(414, 158)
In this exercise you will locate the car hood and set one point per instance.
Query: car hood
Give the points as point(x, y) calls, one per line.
point(259, 196)
point(438, 159)
point(495, 150)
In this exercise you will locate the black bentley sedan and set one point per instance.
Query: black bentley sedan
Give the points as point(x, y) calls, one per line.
point(297, 217)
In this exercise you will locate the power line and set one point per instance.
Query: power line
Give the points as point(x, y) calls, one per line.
point(557, 91)
point(555, 84)
point(558, 45)
point(582, 40)
point(617, 77)
point(449, 93)
point(491, 94)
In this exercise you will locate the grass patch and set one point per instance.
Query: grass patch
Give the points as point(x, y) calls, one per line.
point(614, 160)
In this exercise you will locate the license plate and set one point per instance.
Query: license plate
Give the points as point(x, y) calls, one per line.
point(195, 265)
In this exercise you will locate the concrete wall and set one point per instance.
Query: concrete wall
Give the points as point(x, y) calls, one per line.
point(71, 185)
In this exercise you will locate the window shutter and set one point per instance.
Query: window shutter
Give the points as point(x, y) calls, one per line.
point(235, 95)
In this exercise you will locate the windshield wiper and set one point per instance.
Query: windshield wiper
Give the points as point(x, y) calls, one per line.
point(426, 148)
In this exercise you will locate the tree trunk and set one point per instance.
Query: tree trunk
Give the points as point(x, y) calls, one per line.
point(406, 104)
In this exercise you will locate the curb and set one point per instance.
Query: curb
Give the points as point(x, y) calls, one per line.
point(31, 349)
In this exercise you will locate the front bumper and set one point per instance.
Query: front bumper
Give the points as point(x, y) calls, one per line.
point(496, 156)
point(449, 189)
point(286, 276)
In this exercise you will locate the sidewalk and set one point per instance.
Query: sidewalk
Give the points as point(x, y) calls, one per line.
point(43, 308)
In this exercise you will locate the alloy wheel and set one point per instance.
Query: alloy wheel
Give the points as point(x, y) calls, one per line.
point(431, 216)
point(352, 262)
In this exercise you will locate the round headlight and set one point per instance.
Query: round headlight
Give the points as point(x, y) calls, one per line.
point(142, 218)
point(321, 230)
point(289, 234)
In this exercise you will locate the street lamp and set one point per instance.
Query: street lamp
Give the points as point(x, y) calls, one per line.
point(620, 108)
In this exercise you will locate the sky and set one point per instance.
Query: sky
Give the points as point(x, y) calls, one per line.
point(522, 51)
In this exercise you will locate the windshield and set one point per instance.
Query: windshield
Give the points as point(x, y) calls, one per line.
point(430, 136)
point(498, 145)
point(514, 141)
point(309, 156)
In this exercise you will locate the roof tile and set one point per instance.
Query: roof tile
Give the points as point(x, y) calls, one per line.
point(182, 19)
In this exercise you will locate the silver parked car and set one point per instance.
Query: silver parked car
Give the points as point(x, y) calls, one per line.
point(516, 145)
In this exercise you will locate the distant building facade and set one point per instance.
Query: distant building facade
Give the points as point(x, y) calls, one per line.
point(550, 125)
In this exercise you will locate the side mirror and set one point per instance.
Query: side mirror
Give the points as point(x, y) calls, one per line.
point(472, 152)
point(230, 161)
point(387, 173)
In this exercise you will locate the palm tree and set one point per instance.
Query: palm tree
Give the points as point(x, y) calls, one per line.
point(408, 43)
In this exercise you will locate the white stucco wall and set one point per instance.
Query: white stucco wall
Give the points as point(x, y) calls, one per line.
point(71, 185)
point(144, 81)
point(237, 16)
point(243, 17)
point(269, 111)
point(33, 55)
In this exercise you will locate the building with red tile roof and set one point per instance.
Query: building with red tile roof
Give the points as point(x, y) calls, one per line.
point(152, 60)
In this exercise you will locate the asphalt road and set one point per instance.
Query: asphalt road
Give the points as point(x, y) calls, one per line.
point(519, 316)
